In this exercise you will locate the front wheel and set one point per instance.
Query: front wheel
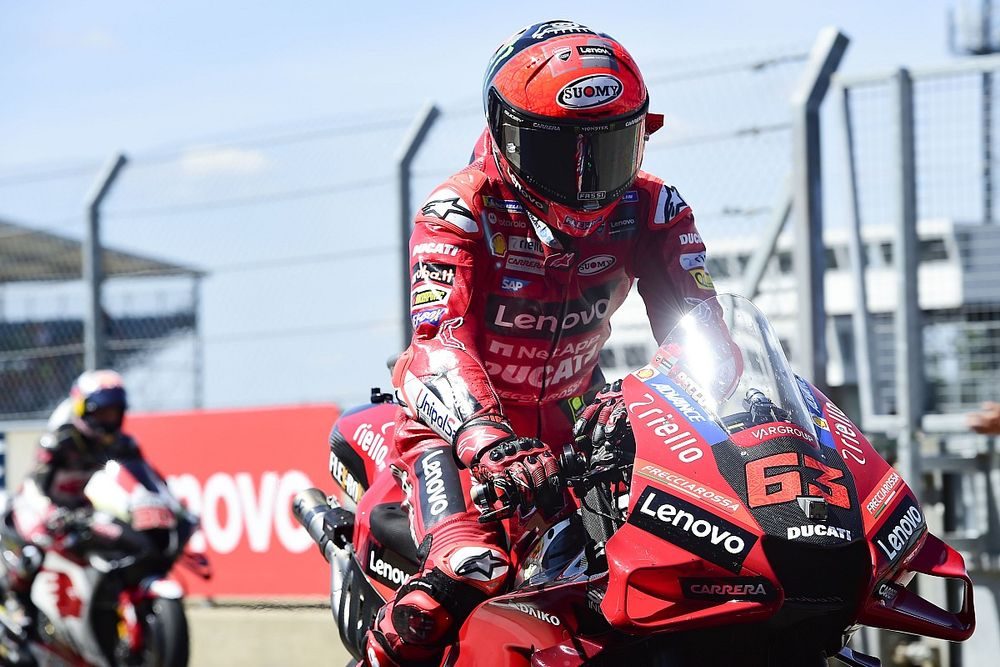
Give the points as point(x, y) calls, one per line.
point(167, 643)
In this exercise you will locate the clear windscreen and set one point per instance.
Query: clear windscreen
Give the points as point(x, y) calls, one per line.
point(724, 354)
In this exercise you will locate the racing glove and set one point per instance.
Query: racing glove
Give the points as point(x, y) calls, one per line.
point(525, 469)
point(603, 426)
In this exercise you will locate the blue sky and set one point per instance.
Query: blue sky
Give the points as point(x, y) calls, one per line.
point(82, 80)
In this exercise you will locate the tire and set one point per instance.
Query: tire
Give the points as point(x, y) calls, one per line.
point(167, 641)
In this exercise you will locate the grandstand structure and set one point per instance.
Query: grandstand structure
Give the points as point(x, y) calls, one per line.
point(153, 307)
point(958, 291)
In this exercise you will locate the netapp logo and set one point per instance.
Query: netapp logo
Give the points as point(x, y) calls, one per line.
point(900, 530)
point(693, 529)
point(756, 589)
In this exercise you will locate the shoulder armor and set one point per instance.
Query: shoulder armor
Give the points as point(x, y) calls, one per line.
point(669, 206)
point(454, 206)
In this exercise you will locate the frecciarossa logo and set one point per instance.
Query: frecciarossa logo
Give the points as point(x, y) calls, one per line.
point(693, 529)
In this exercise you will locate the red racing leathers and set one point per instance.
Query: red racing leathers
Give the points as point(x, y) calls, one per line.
point(508, 320)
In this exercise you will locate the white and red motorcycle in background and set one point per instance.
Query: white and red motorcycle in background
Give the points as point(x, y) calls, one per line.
point(104, 590)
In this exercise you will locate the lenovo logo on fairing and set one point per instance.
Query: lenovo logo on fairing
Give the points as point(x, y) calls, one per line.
point(900, 529)
point(701, 528)
point(386, 571)
point(692, 528)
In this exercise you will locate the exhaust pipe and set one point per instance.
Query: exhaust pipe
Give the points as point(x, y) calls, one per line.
point(312, 509)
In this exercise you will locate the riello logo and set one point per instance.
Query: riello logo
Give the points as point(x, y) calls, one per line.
point(590, 91)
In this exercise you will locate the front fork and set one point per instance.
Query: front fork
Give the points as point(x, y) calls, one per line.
point(130, 635)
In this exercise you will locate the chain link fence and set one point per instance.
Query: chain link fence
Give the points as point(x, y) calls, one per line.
point(958, 241)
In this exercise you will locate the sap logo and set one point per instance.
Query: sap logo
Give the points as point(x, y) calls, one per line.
point(898, 530)
point(691, 238)
point(596, 264)
point(372, 444)
point(819, 530)
point(385, 571)
point(513, 284)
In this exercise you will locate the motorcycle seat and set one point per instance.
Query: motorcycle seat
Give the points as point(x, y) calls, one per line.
point(390, 526)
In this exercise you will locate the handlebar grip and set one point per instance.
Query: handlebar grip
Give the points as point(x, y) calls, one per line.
point(480, 494)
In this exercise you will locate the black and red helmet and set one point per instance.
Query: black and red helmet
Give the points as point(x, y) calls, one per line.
point(566, 108)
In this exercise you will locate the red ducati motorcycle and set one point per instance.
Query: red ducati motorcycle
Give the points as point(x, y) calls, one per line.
point(746, 522)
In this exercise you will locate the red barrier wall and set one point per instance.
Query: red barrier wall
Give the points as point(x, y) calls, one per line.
point(239, 469)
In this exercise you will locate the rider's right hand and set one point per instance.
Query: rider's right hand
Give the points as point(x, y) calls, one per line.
point(526, 462)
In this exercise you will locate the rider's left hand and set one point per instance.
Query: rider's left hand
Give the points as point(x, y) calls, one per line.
point(603, 425)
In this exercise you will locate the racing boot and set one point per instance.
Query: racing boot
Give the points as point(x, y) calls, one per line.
point(415, 628)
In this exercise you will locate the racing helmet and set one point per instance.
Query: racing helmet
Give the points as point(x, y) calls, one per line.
point(98, 404)
point(566, 108)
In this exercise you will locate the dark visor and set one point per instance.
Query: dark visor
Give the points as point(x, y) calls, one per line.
point(578, 165)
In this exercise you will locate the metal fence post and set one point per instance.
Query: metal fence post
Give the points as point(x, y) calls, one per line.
point(404, 159)
point(861, 319)
point(909, 332)
point(810, 352)
point(94, 338)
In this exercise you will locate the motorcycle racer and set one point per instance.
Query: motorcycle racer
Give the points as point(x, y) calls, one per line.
point(84, 432)
point(517, 264)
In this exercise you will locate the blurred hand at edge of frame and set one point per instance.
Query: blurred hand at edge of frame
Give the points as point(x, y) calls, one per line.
point(987, 420)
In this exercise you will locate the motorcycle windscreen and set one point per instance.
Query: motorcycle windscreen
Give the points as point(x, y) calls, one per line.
point(725, 356)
